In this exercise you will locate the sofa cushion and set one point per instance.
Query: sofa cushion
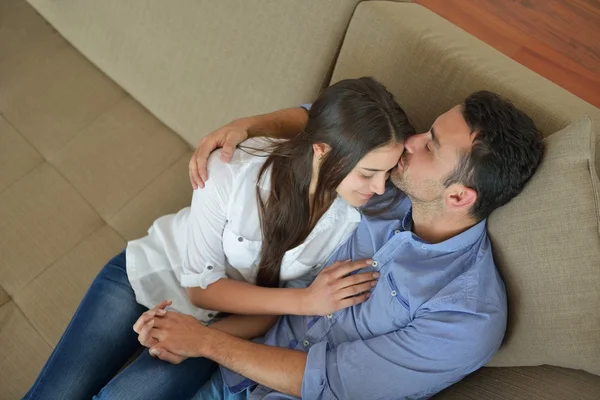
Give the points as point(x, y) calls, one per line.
point(525, 383)
point(547, 246)
point(197, 65)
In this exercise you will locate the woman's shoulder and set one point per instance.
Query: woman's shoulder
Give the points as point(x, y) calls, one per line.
point(254, 150)
point(245, 163)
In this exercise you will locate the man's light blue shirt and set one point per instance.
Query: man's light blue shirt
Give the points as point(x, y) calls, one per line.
point(437, 314)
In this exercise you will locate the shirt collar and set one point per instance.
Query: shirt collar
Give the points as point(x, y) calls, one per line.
point(455, 243)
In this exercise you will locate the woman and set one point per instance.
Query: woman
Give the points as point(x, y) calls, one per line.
point(271, 216)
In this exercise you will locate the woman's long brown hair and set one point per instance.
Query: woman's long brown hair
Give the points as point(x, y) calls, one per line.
point(353, 117)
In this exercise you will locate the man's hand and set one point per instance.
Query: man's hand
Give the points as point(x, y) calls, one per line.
point(145, 323)
point(334, 289)
point(227, 137)
point(178, 336)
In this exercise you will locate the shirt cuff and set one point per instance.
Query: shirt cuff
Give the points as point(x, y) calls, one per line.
point(315, 373)
point(203, 279)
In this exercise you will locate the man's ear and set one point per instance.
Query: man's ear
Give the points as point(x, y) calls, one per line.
point(321, 149)
point(460, 197)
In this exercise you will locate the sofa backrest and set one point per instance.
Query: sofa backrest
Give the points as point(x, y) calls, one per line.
point(196, 65)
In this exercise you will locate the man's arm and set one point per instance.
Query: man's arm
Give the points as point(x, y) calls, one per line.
point(435, 350)
point(283, 124)
point(180, 336)
point(278, 368)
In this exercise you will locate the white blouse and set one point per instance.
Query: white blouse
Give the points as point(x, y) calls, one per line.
point(219, 237)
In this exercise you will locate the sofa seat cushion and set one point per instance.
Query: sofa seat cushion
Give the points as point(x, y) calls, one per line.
point(525, 383)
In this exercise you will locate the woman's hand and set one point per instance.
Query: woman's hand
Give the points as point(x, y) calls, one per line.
point(146, 318)
point(144, 325)
point(227, 137)
point(334, 289)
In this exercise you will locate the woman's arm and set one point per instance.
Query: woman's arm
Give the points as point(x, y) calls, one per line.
point(332, 290)
point(237, 297)
point(245, 326)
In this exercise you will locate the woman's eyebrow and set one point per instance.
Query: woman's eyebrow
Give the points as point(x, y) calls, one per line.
point(373, 169)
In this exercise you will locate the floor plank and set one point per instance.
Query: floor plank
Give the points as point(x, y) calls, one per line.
point(559, 39)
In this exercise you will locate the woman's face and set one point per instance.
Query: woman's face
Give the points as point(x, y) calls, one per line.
point(369, 175)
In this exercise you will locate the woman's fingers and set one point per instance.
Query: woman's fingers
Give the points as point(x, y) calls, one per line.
point(356, 289)
point(355, 279)
point(352, 301)
point(143, 320)
point(148, 315)
point(349, 267)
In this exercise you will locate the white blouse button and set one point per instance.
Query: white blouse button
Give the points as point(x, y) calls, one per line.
point(397, 231)
point(375, 263)
point(394, 293)
point(329, 316)
point(306, 343)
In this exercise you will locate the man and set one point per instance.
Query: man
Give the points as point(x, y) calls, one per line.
point(438, 311)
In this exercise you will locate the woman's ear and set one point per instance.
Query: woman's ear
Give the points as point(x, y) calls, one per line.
point(321, 149)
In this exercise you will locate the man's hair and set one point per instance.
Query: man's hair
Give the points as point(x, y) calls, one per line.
point(506, 151)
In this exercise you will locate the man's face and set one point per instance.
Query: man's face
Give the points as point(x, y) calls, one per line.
point(430, 157)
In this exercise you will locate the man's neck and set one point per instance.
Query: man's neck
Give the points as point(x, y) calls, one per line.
point(436, 227)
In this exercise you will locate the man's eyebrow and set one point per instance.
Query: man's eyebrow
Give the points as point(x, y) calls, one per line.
point(434, 137)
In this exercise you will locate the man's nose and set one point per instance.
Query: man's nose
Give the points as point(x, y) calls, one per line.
point(415, 142)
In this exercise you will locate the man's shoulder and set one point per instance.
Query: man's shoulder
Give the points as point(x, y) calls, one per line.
point(477, 288)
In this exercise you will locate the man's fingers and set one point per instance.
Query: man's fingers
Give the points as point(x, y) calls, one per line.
point(166, 355)
point(345, 269)
point(356, 289)
point(227, 151)
point(207, 146)
point(193, 171)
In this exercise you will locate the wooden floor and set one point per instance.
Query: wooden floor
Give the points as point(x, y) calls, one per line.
point(559, 39)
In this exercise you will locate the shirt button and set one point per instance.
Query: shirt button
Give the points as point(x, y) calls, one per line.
point(240, 239)
point(397, 231)
point(394, 293)
point(329, 316)
point(210, 267)
point(306, 343)
point(375, 263)
point(210, 315)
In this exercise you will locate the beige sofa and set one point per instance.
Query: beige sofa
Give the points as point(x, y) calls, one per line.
point(97, 119)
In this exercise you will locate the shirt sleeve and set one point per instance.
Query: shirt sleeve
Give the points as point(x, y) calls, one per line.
point(204, 261)
point(434, 351)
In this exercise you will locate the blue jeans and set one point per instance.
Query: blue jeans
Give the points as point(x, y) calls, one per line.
point(100, 340)
point(215, 389)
